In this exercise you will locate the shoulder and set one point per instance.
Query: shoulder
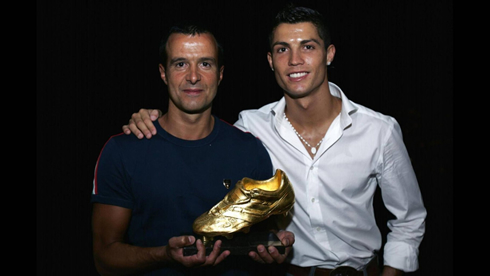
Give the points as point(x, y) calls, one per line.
point(373, 115)
point(253, 120)
point(375, 120)
point(234, 133)
point(262, 113)
point(235, 138)
point(124, 140)
point(361, 115)
point(122, 144)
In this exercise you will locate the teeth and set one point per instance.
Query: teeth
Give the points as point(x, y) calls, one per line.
point(297, 75)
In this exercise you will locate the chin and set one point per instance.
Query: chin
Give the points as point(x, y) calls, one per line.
point(297, 92)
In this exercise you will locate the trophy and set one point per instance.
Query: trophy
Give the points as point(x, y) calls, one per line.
point(249, 202)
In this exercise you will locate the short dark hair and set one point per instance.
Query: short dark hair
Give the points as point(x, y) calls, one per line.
point(188, 29)
point(291, 14)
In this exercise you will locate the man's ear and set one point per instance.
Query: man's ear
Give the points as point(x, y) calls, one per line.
point(221, 73)
point(269, 58)
point(330, 53)
point(162, 73)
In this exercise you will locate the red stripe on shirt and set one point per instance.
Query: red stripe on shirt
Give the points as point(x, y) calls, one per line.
point(97, 164)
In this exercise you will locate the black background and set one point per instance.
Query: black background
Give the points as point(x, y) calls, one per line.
point(97, 63)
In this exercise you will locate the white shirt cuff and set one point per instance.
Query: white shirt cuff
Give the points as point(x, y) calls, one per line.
point(401, 256)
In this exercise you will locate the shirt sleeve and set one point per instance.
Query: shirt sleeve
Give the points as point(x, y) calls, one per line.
point(111, 185)
point(402, 197)
point(240, 123)
point(264, 166)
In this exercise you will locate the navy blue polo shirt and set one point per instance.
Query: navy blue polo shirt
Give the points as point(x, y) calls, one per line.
point(168, 182)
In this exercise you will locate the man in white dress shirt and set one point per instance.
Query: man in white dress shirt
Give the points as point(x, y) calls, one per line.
point(335, 152)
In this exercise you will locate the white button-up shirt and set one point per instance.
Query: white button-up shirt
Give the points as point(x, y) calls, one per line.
point(333, 217)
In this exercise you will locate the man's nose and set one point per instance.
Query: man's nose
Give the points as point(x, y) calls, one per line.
point(295, 58)
point(193, 75)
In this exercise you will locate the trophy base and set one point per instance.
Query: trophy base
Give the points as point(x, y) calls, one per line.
point(241, 243)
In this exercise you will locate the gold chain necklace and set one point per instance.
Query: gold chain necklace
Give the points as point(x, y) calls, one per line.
point(312, 149)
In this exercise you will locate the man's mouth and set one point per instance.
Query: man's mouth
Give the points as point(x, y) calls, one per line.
point(193, 91)
point(297, 75)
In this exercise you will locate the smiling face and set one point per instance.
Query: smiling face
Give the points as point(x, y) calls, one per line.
point(191, 73)
point(299, 58)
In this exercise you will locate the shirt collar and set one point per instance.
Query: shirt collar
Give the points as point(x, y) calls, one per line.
point(348, 107)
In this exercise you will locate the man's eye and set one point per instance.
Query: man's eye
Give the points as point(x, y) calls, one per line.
point(206, 64)
point(280, 50)
point(309, 47)
point(180, 64)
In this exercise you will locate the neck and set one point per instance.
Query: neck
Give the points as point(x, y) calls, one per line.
point(187, 126)
point(311, 117)
point(313, 112)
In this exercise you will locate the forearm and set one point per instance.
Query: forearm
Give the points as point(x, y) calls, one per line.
point(123, 259)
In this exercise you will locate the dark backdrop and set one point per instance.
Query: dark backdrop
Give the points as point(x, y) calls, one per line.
point(97, 63)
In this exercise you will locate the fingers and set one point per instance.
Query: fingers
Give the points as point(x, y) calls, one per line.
point(176, 244)
point(265, 255)
point(256, 255)
point(201, 250)
point(141, 123)
point(126, 129)
point(174, 247)
point(214, 253)
point(154, 113)
point(286, 237)
point(216, 256)
point(179, 242)
point(222, 256)
point(271, 254)
point(175, 250)
point(143, 120)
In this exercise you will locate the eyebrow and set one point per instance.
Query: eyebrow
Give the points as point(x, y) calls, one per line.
point(177, 60)
point(208, 59)
point(181, 59)
point(303, 42)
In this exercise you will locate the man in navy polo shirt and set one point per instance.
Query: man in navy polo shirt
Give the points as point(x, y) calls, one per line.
point(148, 193)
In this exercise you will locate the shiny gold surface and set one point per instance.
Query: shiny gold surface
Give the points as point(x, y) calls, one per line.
point(249, 202)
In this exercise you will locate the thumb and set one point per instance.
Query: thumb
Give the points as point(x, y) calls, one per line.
point(181, 241)
point(187, 240)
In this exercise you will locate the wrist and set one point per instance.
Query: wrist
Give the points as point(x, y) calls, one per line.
point(167, 255)
point(162, 255)
point(390, 271)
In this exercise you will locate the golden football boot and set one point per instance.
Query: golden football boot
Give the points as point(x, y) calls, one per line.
point(249, 202)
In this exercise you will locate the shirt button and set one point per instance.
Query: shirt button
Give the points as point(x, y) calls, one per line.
point(318, 229)
point(311, 168)
point(312, 199)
